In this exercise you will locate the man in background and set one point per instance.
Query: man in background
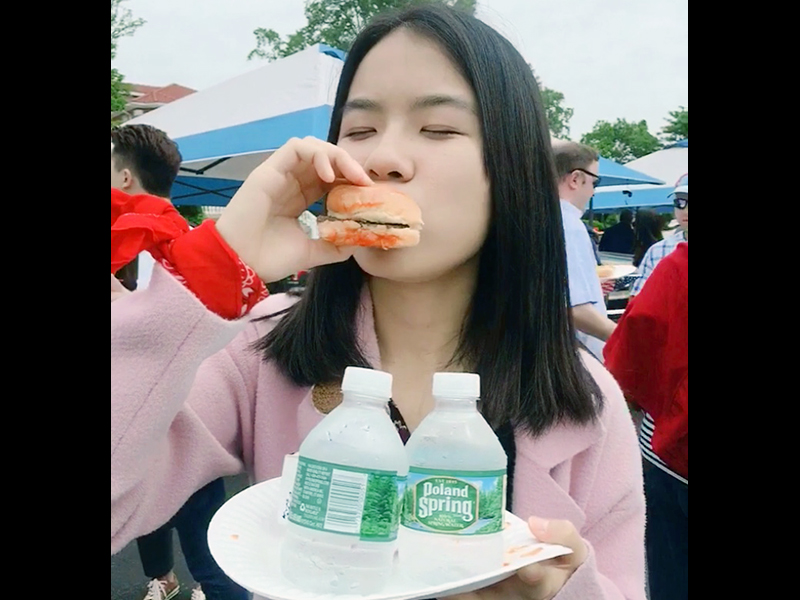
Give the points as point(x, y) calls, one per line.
point(576, 168)
point(619, 238)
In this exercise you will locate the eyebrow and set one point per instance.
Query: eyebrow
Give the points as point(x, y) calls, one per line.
point(420, 103)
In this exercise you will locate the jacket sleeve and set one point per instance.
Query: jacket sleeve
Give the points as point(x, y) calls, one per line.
point(182, 390)
point(615, 508)
point(639, 353)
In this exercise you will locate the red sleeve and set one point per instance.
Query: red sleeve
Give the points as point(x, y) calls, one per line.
point(648, 351)
point(199, 258)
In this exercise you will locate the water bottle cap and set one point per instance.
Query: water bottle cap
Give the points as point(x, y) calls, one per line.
point(466, 386)
point(368, 382)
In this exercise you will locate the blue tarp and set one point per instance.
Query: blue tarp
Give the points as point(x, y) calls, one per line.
point(633, 197)
point(613, 173)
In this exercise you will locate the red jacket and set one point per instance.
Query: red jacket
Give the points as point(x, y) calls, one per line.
point(648, 354)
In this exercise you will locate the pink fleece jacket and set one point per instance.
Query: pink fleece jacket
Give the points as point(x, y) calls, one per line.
point(190, 402)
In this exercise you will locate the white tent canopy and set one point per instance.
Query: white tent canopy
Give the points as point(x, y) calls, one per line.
point(225, 131)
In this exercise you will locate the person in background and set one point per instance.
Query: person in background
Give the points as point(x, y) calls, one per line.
point(680, 200)
point(648, 354)
point(646, 232)
point(619, 238)
point(576, 170)
point(144, 160)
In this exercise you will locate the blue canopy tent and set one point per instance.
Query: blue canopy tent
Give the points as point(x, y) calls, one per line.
point(669, 163)
point(613, 173)
point(226, 131)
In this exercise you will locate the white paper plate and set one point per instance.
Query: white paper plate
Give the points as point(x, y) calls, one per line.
point(246, 534)
point(619, 271)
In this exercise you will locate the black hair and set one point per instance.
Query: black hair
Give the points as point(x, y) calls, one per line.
point(150, 154)
point(626, 216)
point(517, 334)
point(646, 232)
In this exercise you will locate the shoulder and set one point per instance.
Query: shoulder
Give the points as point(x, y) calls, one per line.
point(613, 425)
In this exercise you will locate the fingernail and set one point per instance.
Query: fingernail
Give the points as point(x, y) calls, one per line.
point(538, 526)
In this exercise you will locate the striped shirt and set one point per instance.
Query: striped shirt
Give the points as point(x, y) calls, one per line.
point(653, 256)
point(646, 446)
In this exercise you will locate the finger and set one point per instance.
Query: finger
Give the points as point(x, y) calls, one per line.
point(561, 532)
point(542, 582)
point(351, 169)
point(322, 164)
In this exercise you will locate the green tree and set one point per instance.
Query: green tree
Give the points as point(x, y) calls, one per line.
point(558, 115)
point(677, 127)
point(622, 141)
point(193, 214)
point(332, 22)
point(122, 24)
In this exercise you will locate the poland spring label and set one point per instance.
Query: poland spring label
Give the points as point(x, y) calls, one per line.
point(347, 500)
point(459, 503)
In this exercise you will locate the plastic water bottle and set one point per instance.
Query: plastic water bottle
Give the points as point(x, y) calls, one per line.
point(454, 508)
point(344, 516)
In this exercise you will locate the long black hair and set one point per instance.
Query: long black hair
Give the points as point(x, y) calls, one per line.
point(646, 232)
point(517, 334)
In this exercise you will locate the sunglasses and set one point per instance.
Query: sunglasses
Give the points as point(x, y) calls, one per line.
point(681, 203)
point(595, 175)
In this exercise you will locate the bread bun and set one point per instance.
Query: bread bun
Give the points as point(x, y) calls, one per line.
point(353, 233)
point(376, 216)
point(605, 271)
point(377, 203)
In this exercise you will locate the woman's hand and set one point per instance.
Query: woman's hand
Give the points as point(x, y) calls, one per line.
point(540, 581)
point(260, 222)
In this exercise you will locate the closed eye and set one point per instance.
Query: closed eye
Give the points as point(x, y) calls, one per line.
point(359, 134)
point(440, 133)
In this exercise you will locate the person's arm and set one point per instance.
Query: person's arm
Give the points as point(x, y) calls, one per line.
point(174, 424)
point(641, 354)
point(183, 374)
point(615, 509)
point(604, 495)
point(645, 270)
point(591, 322)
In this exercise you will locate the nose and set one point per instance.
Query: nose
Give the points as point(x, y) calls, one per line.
point(388, 161)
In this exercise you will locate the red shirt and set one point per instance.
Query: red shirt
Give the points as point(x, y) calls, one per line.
point(648, 354)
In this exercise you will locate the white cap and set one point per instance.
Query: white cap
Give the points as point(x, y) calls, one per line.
point(368, 382)
point(465, 386)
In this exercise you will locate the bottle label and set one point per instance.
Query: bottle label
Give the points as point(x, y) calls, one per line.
point(347, 500)
point(455, 502)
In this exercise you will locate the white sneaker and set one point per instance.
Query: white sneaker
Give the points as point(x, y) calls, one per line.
point(197, 594)
point(157, 590)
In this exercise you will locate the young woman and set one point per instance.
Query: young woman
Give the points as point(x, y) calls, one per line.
point(441, 106)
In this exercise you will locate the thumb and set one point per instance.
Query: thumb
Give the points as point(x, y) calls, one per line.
point(563, 533)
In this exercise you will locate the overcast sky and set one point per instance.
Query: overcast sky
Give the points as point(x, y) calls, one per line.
point(610, 58)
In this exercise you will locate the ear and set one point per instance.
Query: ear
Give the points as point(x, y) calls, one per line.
point(574, 180)
point(127, 179)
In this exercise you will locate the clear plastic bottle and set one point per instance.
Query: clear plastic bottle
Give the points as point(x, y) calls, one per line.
point(452, 525)
point(341, 533)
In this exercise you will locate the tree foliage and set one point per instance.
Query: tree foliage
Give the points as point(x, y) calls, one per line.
point(122, 24)
point(677, 127)
point(622, 141)
point(333, 22)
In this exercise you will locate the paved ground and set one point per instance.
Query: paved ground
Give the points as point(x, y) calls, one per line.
point(127, 579)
